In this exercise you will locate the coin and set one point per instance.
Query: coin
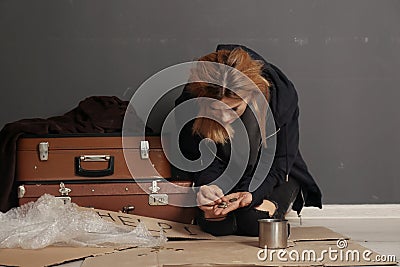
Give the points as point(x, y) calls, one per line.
point(223, 205)
point(233, 199)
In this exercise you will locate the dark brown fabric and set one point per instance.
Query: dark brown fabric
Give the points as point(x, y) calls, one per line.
point(96, 114)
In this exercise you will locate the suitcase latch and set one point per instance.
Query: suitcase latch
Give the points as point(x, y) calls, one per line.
point(156, 199)
point(64, 191)
point(43, 151)
point(21, 191)
point(128, 209)
point(144, 149)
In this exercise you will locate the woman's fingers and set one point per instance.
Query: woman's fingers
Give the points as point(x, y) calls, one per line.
point(211, 199)
point(209, 195)
point(206, 208)
point(225, 210)
point(218, 191)
point(235, 201)
point(247, 198)
point(230, 197)
point(202, 200)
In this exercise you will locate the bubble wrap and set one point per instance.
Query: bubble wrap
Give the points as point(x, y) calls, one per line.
point(49, 221)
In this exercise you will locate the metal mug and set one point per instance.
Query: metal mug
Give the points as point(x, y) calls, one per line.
point(273, 233)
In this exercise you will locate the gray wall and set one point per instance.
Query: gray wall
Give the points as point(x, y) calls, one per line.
point(343, 56)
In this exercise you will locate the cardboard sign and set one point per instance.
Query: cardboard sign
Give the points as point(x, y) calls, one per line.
point(171, 229)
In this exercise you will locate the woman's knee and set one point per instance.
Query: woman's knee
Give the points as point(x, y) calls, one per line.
point(226, 226)
point(247, 221)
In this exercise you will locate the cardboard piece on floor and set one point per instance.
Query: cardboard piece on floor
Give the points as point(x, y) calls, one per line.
point(338, 254)
point(132, 257)
point(47, 256)
point(189, 253)
point(209, 253)
point(314, 233)
point(253, 241)
point(220, 265)
point(171, 229)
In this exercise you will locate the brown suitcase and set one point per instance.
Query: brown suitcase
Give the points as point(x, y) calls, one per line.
point(123, 196)
point(90, 171)
point(67, 158)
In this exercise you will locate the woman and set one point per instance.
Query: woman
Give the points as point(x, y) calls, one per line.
point(287, 184)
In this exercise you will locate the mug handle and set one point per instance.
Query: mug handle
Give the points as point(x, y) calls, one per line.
point(288, 230)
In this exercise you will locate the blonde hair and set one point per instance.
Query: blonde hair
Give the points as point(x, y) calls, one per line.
point(235, 85)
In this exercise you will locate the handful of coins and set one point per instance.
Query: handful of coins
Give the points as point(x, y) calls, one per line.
point(224, 205)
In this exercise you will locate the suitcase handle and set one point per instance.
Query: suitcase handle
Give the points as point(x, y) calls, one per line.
point(94, 173)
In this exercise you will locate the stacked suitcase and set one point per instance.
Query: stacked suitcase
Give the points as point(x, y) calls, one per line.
point(91, 171)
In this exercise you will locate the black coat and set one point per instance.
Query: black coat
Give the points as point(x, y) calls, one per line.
point(287, 161)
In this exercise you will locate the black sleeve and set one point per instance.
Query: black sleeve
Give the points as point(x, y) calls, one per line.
point(209, 174)
point(287, 145)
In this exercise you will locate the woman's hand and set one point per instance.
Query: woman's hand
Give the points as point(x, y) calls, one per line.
point(215, 205)
point(233, 201)
point(209, 195)
point(267, 205)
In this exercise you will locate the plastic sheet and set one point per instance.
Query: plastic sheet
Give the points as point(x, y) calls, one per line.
point(49, 221)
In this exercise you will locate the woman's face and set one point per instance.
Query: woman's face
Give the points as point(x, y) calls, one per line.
point(228, 113)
